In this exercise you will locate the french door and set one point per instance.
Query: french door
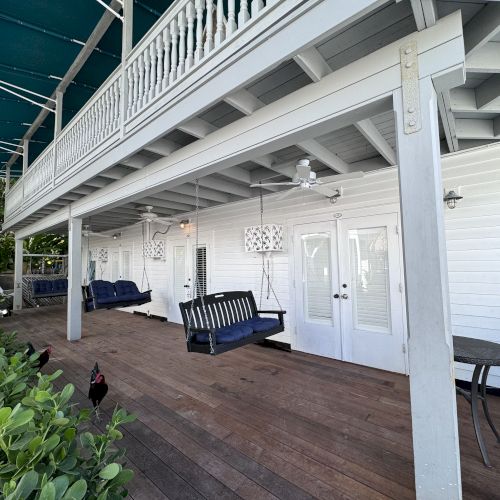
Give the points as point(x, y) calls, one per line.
point(371, 294)
point(316, 282)
point(349, 304)
point(121, 264)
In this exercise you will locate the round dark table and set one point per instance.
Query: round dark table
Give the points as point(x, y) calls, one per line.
point(483, 355)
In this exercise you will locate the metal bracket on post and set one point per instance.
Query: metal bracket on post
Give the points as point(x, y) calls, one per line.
point(409, 87)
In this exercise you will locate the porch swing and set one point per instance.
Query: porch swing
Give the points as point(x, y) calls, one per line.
point(101, 294)
point(224, 321)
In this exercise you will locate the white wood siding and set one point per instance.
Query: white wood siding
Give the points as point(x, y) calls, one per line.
point(472, 230)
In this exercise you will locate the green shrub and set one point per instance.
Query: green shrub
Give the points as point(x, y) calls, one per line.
point(45, 452)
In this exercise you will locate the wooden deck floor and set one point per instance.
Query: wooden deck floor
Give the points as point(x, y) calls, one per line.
point(254, 423)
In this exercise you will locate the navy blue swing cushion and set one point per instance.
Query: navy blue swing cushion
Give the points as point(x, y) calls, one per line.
point(226, 334)
point(258, 324)
point(107, 295)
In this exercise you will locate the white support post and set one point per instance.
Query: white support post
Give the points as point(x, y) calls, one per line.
point(127, 43)
point(26, 145)
point(59, 110)
point(74, 326)
point(432, 380)
point(18, 274)
point(7, 179)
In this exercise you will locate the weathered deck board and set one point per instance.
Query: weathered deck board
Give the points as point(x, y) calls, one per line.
point(254, 423)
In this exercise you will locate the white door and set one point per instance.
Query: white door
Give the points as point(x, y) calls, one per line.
point(371, 292)
point(316, 283)
point(183, 257)
point(121, 264)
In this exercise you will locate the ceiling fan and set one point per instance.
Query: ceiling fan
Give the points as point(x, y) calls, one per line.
point(305, 178)
point(149, 216)
point(87, 232)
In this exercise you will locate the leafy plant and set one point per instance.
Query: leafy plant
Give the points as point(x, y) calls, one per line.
point(45, 452)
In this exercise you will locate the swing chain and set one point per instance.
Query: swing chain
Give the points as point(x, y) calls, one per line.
point(196, 284)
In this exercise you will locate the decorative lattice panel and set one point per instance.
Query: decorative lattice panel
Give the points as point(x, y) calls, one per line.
point(154, 249)
point(99, 254)
point(268, 238)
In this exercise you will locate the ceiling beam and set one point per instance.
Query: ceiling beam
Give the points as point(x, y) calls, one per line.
point(197, 127)
point(448, 120)
point(488, 91)
point(236, 174)
point(116, 172)
point(324, 155)
point(482, 28)
point(484, 60)
point(182, 198)
point(225, 186)
point(313, 64)
point(162, 147)
point(375, 138)
point(157, 202)
point(425, 13)
point(206, 193)
point(464, 101)
point(82, 57)
point(244, 101)
point(478, 129)
point(137, 161)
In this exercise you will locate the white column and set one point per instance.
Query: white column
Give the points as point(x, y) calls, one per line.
point(58, 114)
point(18, 274)
point(7, 178)
point(74, 328)
point(432, 379)
point(26, 145)
point(127, 44)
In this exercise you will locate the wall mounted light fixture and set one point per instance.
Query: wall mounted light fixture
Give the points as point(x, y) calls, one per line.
point(451, 198)
point(117, 235)
point(183, 223)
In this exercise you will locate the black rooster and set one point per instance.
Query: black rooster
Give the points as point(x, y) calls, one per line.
point(44, 357)
point(98, 388)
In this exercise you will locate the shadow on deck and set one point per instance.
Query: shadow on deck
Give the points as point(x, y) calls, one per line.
point(255, 423)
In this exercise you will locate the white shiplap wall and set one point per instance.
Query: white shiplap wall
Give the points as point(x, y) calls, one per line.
point(472, 230)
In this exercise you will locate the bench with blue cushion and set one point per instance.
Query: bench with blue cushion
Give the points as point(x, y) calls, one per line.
point(233, 321)
point(49, 288)
point(106, 295)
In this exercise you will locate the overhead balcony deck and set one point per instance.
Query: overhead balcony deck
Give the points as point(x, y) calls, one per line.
point(188, 62)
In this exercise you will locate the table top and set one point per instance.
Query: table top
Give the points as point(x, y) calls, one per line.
point(476, 351)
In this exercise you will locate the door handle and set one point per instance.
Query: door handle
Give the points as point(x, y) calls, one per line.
point(187, 286)
point(336, 296)
point(345, 296)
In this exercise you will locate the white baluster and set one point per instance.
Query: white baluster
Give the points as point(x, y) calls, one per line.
point(140, 98)
point(135, 70)
point(243, 15)
point(152, 76)
point(159, 69)
point(181, 22)
point(173, 57)
point(166, 61)
point(190, 35)
point(219, 32)
point(117, 105)
point(111, 125)
point(257, 6)
point(231, 18)
point(130, 93)
point(199, 5)
point(209, 35)
point(147, 71)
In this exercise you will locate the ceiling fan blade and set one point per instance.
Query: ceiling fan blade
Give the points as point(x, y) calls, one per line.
point(287, 193)
point(330, 179)
point(164, 222)
point(303, 170)
point(324, 190)
point(275, 184)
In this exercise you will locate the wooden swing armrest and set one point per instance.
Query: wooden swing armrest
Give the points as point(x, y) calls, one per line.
point(279, 313)
point(272, 312)
point(202, 330)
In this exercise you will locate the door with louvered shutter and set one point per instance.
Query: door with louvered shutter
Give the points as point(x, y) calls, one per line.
point(371, 297)
point(316, 281)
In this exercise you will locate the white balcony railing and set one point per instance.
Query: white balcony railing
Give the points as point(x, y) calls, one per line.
point(180, 40)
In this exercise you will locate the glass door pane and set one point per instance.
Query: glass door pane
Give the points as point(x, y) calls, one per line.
point(317, 286)
point(370, 288)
